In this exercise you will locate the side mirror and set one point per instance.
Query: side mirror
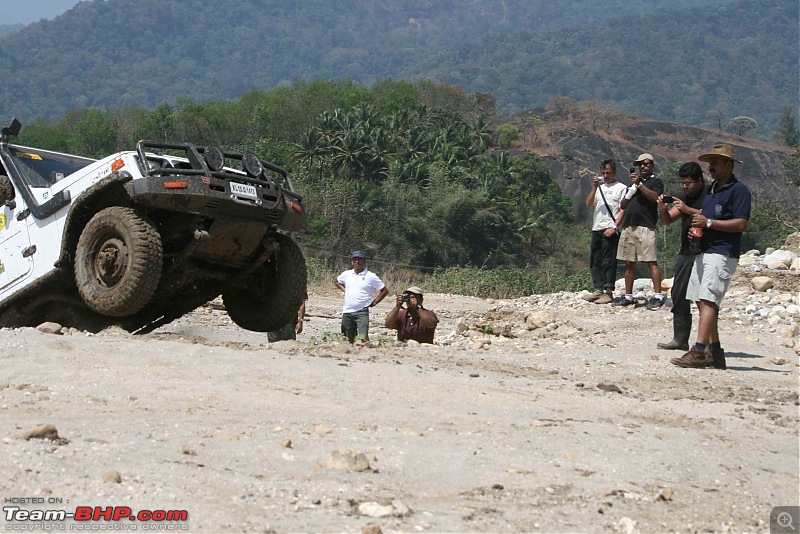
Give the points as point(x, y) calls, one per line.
point(11, 128)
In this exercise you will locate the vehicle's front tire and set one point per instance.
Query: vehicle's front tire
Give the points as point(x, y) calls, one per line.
point(269, 298)
point(118, 262)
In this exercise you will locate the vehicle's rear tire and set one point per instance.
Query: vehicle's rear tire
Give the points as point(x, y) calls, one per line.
point(118, 262)
point(269, 298)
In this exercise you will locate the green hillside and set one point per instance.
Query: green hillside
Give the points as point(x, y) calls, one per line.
point(668, 59)
point(690, 67)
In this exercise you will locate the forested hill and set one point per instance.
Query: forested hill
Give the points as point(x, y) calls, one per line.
point(692, 61)
point(9, 28)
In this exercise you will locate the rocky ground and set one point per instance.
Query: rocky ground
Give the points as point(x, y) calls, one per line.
point(545, 413)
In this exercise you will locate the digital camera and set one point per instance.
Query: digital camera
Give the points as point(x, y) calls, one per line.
point(668, 199)
point(405, 297)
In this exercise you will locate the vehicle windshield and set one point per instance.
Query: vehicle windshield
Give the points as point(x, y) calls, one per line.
point(41, 168)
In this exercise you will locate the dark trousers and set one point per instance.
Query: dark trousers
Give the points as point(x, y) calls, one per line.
point(683, 270)
point(603, 261)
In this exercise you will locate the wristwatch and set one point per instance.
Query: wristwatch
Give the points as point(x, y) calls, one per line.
point(708, 223)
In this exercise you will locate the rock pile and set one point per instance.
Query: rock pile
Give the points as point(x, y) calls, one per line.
point(765, 296)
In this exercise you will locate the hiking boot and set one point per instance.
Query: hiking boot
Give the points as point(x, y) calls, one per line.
point(654, 303)
point(605, 298)
point(591, 297)
point(622, 301)
point(694, 359)
point(717, 357)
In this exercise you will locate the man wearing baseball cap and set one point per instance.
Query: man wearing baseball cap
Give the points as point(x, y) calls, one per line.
point(637, 241)
point(724, 217)
point(414, 321)
point(358, 285)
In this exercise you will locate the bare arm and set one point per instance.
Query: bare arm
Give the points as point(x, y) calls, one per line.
point(628, 194)
point(620, 216)
point(427, 318)
point(728, 225)
point(592, 193)
point(668, 215)
point(391, 317)
point(381, 295)
point(301, 314)
point(337, 284)
point(648, 193)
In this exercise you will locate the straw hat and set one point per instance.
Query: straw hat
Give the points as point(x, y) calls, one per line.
point(719, 151)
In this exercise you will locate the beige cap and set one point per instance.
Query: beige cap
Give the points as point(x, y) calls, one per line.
point(643, 157)
point(413, 289)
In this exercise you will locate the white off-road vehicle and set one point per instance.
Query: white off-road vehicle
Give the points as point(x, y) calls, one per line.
point(142, 237)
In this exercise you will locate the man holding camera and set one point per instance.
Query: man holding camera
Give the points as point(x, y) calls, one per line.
point(638, 240)
point(414, 321)
point(605, 197)
point(683, 207)
point(358, 285)
point(724, 217)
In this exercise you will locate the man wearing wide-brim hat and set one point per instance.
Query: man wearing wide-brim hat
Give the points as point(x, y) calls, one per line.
point(723, 218)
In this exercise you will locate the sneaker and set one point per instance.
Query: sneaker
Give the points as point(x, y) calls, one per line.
point(694, 359)
point(622, 301)
point(591, 297)
point(640, 302)
point(605, 298)
point(654, 303)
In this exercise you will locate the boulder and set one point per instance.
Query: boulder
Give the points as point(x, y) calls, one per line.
point(539, 319)
point(748, 260)
point(792, 243)
point(762, 283)
point(780, 259)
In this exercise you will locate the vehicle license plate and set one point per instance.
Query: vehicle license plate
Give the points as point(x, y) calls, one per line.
point(244, 190)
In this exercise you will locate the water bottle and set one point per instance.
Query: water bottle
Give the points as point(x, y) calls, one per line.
point(696, 234)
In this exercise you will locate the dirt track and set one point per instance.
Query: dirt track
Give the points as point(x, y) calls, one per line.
point(585, 428)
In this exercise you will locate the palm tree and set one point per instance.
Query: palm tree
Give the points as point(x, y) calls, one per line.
point(348, 154)
point(310, 148)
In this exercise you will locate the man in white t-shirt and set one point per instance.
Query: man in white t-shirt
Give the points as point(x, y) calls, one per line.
point(358, 285)
point(606, 194)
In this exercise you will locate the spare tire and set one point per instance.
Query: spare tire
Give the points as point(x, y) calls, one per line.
point(118, 262)
point(270, 297)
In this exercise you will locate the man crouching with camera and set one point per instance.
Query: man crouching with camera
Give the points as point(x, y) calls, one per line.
point(413, 321)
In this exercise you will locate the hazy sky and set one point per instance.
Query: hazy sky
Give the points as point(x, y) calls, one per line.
point(27, 11)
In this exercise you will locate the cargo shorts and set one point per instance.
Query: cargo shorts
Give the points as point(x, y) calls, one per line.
point(710, 278)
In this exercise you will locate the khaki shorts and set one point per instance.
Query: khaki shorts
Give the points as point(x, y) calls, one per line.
point(637, 243)
point(711, 276)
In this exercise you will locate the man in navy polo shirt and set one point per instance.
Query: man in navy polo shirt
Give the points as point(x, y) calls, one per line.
point(724, 217)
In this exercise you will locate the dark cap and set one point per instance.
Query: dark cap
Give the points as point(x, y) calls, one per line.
point(358, 254)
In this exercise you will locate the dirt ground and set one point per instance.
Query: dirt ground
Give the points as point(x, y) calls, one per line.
point(583, 426)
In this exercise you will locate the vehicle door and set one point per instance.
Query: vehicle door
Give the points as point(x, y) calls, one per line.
point(16, 259)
